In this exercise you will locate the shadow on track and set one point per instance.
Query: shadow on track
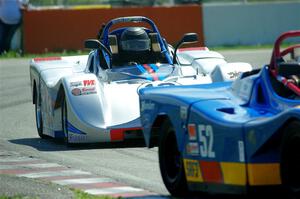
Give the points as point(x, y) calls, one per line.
point(207, 196)
point(59, 145)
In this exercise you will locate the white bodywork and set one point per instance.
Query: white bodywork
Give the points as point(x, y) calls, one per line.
point(102, 109)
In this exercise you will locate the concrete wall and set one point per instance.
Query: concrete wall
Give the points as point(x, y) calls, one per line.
point(248, 24)
point(59, 29)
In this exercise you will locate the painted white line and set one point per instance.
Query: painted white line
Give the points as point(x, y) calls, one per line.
point(17, 159)
point(42, 165)
point(82, 181)
point(22, 166)
point(112, 190)
point(54, 173)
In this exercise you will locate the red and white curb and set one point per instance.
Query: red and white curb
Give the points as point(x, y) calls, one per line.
point(58, 174)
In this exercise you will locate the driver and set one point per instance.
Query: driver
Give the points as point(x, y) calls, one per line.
point(135, 46)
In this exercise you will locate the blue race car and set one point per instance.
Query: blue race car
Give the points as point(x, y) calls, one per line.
point(230, 137)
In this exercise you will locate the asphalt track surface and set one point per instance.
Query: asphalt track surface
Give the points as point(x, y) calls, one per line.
point(128, 163)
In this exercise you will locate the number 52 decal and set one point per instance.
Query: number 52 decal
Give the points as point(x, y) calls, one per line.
point(206, 139)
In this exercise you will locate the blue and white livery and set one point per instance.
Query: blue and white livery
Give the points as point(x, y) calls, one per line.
point(230, 137)
point(94, 98)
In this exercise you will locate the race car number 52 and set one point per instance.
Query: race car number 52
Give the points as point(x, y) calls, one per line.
point(206, 139)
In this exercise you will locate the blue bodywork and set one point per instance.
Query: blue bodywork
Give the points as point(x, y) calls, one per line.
point(238, 127)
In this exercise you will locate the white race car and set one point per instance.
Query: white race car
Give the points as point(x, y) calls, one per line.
point(93, 98)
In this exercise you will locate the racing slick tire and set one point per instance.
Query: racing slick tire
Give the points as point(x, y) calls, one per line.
point(39, 118)
point(290, 160)
point(64, 121)
point(171, 162)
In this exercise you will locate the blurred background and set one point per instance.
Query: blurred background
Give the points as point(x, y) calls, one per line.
point(63, 25)
point(136, 2)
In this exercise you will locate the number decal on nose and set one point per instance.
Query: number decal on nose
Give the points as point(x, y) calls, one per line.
point(206, 138)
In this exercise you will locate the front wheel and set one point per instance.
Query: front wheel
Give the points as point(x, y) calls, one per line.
point(171, 162)
point(64, 121)
point(39, 118)
point(290, 159)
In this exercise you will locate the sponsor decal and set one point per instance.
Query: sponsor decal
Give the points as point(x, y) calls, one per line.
point(75, 84)
point(192, 148)
point(183, 112)
point(192, 132)
point(233, 74)
point(192, 170)
point(84, 91)
point(90, 82)
point(241, 151)
point(76, 137)
point(76, 91)
point(88, 91)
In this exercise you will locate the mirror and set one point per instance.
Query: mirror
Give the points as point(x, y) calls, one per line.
point(187, 38)
point(92, 44)
point(96, 44)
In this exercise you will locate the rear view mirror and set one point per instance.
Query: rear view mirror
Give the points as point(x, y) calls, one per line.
point(187, 38)
point(96, 44)
point(92, 44)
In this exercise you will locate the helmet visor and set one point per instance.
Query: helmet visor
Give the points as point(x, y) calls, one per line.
point(136, 45)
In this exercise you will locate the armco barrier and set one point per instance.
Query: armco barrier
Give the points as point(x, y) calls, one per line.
point(59, 29)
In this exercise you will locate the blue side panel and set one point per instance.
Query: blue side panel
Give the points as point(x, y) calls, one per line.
point(73, 129)
point(226, 138)
point(151, 109)
point(173, 101)
point(264, 136)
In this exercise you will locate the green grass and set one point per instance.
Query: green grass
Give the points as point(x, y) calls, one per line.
point(81, 195)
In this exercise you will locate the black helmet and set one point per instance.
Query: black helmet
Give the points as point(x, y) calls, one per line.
point(135, 39)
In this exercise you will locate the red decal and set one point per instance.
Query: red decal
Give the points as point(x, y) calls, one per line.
point(46, 59)
point(192, 132)
point(89, 89)
point(192, 48)
point(151, 71)
point(118, 134)
point(211, 172)
point(90, 82)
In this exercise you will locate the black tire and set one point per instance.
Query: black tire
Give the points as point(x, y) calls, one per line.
point(171, 162)
point(64, 121)
point(290, 160)
point(39, 118)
